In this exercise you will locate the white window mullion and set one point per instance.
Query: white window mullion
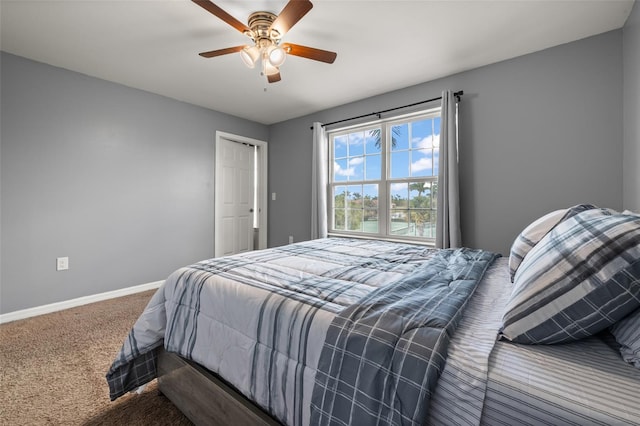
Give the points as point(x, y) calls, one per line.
point(383, 189)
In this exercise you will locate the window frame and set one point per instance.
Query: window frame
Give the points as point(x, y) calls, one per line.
point(384, 182)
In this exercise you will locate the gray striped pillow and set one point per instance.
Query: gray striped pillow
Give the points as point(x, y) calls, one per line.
point(582, 277)
point(627, 333)
point(532, 234)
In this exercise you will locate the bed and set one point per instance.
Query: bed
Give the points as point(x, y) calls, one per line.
point(351, 331)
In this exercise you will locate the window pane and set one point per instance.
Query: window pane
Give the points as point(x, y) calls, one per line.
point(373, 167)
point(421, 134)
point(354, 199)
point(421, 162)
point(354, 220)
point(436, 131)
point(399, 222)
point(340, 170)
point(339, 193)
point(338, 218)
point(370, 193)
point(399, 137)
point(340, 146)
point(356, 144)
point(373, 144)
point(420, 222)
point(356, 168)
point(400, 164)
point(399, 195)
point(430, 225)
point(428, 191)
point(419, 196)
point(370, 223)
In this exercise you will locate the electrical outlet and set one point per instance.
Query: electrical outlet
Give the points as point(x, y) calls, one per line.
point(290, 239)
point(62, 263)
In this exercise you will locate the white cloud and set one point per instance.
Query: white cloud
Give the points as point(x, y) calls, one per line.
point(355, 161)
point(395, 187)
point(349, 171)
point(422, 164)
point(424, 143)
point(356, 138)
point(421, 143)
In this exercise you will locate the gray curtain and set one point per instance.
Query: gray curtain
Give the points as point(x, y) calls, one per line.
point(319, 176)
point(448, 209)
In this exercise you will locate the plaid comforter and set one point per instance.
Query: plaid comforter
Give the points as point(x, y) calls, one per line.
point(260, 319)
point(382, 357)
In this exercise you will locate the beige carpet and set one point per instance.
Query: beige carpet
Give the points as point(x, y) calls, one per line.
point(52, 369)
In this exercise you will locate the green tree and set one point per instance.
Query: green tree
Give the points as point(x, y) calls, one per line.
point(422, 214)
point(418, 187)
point(355, 219)
point(395, 134)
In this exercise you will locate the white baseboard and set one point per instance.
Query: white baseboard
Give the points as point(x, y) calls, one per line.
point(54, 307)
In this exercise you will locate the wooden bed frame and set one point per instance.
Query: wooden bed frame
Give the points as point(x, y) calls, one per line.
point(204, 397)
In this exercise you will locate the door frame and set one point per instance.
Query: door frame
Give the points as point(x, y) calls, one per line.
point(261, 175)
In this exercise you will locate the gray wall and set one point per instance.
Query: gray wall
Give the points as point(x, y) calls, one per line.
point(537, 133)
point(118, 179)
point(121, 180)
point(631, 72)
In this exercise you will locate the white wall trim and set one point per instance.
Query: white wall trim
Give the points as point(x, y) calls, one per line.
point(59, 306)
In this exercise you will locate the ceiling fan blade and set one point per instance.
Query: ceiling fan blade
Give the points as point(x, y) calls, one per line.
point(208, 5)
point(274, 78)
point(220, 52)
point(310, 52)
point(290, 15)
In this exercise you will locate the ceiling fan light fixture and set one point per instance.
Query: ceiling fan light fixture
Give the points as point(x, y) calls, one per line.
point(276, 55)
point(250, 55)
point(268, 69)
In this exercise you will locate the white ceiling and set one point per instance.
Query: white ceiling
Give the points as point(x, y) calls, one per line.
point(153, 45)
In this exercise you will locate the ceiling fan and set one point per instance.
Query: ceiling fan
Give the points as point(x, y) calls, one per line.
point(266, 31)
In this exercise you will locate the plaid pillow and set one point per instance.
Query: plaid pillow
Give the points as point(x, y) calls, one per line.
point(582, 277)
point(627, 334)
point(533, 233)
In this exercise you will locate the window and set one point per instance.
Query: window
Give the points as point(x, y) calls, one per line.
point(384, 178)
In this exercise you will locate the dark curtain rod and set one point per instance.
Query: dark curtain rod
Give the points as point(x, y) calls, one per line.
point(456, 94)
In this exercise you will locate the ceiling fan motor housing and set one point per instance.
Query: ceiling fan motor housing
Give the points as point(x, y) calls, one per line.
point(261, 32)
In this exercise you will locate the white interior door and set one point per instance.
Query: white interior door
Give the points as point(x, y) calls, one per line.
point(235, 182)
